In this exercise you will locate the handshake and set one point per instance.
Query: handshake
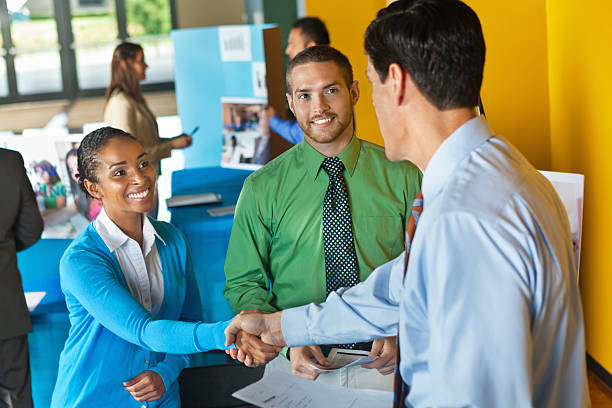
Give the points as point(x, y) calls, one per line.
point(258, 337)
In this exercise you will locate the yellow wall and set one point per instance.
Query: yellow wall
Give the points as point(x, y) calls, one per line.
point(346, 21)
point(580, 65)
point(515, 85)
point(514, 31)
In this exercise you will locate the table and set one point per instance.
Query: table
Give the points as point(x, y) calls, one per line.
point(208, 236)
point(39, 267)
point(211, 380)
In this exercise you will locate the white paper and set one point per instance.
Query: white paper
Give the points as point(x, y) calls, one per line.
point(278, 390)
point(33, 299)
point(344, 358)
point(235, 43)
point(570, 189)
point(260, 90)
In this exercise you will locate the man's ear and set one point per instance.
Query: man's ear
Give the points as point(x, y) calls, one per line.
point(355, 92)
point(399, 83)
point(92, 188)
point(290, 102)
point(309, 44)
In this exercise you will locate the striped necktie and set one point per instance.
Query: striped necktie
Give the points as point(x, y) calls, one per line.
point(400, 388)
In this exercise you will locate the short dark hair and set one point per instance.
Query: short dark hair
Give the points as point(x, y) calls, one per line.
point(87, 153)
point(438, 42)
point(321, 53)
point(312, 29)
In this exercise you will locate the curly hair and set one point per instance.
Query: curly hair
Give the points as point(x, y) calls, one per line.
point(87, 154)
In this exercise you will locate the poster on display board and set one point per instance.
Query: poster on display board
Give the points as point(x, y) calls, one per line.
point(51, 165)
point(240, 62)
point(245, 142)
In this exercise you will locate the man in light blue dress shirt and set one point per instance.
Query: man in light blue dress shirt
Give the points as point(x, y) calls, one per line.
point(489, 309)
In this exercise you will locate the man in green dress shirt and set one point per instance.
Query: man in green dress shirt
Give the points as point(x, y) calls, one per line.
point(276, 257)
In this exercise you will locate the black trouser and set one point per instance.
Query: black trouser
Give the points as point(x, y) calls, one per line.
point(15, 386)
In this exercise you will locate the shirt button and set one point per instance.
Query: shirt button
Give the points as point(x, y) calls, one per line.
point(146, 361)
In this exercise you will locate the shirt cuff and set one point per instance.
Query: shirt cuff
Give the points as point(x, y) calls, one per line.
point(211, 336)
point(294, 324)
point(170, 368)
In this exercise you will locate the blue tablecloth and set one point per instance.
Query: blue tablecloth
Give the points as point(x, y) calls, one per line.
point(208, 236)
point(39, 267)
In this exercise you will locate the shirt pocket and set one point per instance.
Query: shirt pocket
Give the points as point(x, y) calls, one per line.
point(378, 239)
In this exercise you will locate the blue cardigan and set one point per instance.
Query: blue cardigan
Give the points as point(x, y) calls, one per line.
point(113, 338)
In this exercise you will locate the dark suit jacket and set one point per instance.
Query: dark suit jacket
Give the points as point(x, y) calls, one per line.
point(20, 227)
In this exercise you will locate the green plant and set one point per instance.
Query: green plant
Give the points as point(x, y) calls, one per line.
point(148, 17)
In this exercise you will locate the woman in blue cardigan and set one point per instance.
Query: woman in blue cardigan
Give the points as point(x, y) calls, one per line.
point(130, 289)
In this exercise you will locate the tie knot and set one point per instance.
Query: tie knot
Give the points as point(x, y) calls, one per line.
point(333, 166)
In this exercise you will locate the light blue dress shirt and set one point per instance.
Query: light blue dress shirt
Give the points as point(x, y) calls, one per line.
point(288, 130)
point(113, 337)
point(489, 311)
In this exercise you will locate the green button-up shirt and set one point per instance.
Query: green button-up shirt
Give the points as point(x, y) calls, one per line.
point(276, 259)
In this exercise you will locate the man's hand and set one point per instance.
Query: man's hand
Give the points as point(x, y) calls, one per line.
point(301, 360)
point(386, 350)
point(146, 386)
point(252, 351)
point(270, 112)
point(265, 326)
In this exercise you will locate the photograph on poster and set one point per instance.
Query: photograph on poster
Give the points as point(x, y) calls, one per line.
point(51, 164)
point(245, 143)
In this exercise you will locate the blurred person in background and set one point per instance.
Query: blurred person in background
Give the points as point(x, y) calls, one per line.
point(306, 32)
point(20, 227)
point(126, 109)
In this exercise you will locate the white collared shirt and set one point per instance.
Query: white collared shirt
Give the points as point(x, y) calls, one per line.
point(141, 266)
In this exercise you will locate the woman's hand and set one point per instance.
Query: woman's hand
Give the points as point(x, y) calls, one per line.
point(181, 141)
point(254, 351)
point(146, 386)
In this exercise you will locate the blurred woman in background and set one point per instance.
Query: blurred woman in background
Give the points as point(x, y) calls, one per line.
point(126, 109)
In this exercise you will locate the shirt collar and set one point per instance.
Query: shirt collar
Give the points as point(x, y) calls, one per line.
point(348, 156)
point(114, 238)
point(451, 152)
point(148, 235)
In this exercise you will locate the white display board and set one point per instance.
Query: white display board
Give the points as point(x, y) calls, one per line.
point(570, 188)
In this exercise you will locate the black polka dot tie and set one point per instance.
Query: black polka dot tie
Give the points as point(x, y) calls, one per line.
point(341, 267)
point(340, 260)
